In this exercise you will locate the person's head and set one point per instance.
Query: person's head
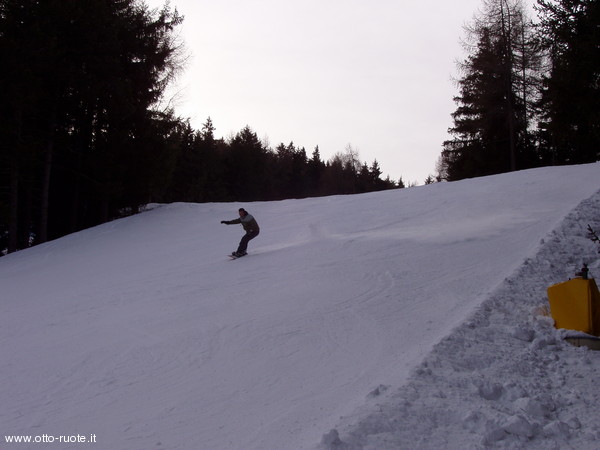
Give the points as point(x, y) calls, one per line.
point(242, 212)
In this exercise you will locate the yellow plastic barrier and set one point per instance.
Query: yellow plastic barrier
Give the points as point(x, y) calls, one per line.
point(575, 305)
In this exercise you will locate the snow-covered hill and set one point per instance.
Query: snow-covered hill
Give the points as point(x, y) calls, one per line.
point(400, 319)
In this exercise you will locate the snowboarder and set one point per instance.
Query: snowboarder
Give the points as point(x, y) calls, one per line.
point(251, 228)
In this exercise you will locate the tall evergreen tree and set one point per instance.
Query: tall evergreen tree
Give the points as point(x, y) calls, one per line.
point(570, 125)
point(314, 171)
point(490, 123)
point(247, 163)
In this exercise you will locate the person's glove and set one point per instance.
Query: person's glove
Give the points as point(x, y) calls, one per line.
point(224, 221)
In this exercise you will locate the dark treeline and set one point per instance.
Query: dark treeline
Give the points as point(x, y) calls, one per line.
point(79, 138)
point(528, 93)
point(82, 140)
point(244, 168)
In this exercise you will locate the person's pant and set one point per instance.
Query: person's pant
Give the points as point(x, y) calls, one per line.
point(245, 239)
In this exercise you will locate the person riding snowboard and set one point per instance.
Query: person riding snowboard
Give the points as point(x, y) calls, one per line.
point(251, 228)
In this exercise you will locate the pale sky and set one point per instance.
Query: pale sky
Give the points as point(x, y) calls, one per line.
point(376, 74)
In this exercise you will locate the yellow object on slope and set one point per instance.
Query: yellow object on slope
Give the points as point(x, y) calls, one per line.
point(575, 305)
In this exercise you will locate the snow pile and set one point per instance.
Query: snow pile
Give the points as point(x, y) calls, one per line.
point(505, 378)
point(400, 319)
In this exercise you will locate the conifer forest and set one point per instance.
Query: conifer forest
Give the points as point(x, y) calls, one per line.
point(84, 138)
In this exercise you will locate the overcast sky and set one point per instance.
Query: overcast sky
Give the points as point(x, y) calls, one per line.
point(376, 74)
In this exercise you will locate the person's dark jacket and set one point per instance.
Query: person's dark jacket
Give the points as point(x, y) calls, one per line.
point(248, 222)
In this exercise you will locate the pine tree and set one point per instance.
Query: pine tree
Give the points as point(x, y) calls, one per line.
point(570, 125)
point(247, 163)
point(314, 171)
point(490, 123)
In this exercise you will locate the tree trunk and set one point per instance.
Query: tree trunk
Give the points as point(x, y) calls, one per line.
point(13, 216)
point(508, 65)
point(44, 206)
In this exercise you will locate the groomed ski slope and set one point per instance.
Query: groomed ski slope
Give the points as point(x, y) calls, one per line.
point(399, 319)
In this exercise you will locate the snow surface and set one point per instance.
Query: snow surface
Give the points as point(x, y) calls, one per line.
point(402, 319)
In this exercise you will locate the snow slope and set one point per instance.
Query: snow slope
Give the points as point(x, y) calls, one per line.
point(399, 319)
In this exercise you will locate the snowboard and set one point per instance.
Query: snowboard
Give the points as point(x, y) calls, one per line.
point(235, 257)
